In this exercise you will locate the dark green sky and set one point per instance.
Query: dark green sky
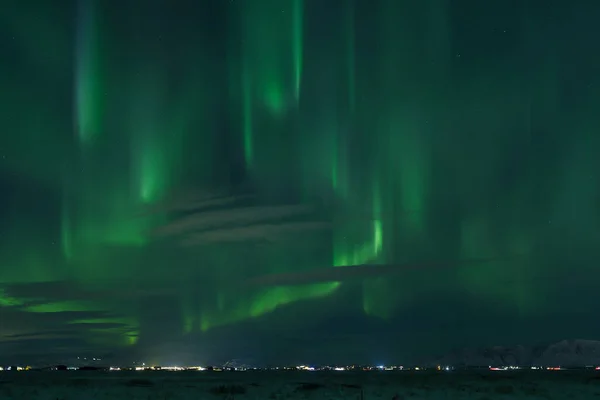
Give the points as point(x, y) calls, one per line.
point(193, 181)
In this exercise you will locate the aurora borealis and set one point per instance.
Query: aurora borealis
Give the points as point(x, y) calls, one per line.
point(278, 179)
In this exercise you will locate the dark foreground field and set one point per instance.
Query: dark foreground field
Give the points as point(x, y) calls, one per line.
point(195, 385)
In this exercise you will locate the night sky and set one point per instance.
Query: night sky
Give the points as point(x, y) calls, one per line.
point(296, 180)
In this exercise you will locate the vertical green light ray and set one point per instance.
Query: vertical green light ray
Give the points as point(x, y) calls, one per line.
point(401, 167)
point(377, 292)
point(247, 110)
point(403, 120)
point(298, 34)
point(111, 193)
point(412, 174)
point(337, 165)
point(334, 167)
point(148, 125)
point(377, 219)
point(66, 230)
point(357, 241)
point(351, 54)
point(88, 82)
point(149, 139)
point(152, 171)
point(272, 31)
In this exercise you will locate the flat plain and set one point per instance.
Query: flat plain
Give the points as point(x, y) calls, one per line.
point(292, 385)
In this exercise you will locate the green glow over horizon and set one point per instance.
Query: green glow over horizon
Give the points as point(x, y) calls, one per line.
point(407, 141)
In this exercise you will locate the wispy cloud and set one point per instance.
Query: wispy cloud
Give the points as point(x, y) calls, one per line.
point(240, 216)
point(266, 232)
point(351, 272)
point(193, 201)
point(61, 310)
point(211, 219)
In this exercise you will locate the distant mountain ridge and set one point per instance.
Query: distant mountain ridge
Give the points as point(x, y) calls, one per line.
point(566, 353)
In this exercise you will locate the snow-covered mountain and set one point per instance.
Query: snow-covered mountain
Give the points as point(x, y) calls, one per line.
point(575, 353)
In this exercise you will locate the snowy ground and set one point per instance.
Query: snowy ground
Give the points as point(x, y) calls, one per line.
point(298, 385)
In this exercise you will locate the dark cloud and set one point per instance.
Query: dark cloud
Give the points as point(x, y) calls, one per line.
point(18, 323)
